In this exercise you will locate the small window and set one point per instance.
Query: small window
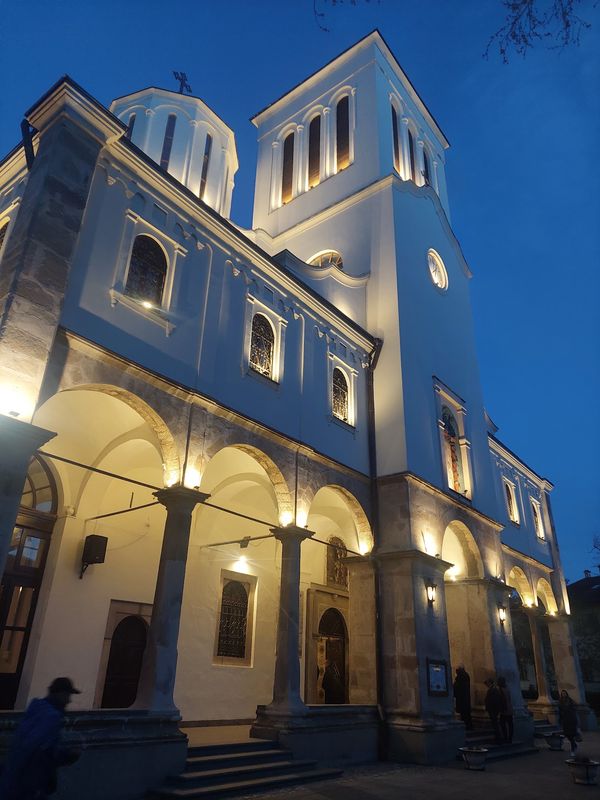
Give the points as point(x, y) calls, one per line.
point(330, 258)
point(337, 571)
point(452, 454)
point(130, 126)
point(536, 512)
point(411, 155)
point(342, 129)
point(3, 230)
point(147, 271)
point(168, 141)
point(205, 161)
point(287, 173)
point(396, 140)
point(262, 346)
point(511, 502)
point(426, 168)
point(233, 621)
point(340, 395)
point(314, 152)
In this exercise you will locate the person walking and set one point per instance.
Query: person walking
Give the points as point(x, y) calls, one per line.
point(493, 706)
point(567, 712)
point(30, 770)
point(506, 715)
point(462, 696)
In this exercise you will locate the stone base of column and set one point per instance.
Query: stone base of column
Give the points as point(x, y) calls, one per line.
point(330, 735)
point(416, 741)
point(544, 708)
point(587, 719)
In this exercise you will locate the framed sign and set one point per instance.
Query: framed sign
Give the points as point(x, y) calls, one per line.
point(437, 678)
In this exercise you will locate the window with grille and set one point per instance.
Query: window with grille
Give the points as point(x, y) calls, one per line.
point(536, 512)
point(168, 141)
point(340, 394)
point(396, 140)
point(147, 271)
point(205, 162)
point(342, 131)
point(452, 454)
point(511, 502)
point(287, 172)
point(314, 152)
point(330, 258)
point(262, 345)
point(233, 621)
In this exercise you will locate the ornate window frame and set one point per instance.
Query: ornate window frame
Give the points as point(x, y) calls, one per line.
point(446, 397)
point(351, 378)
point(279, 324)
point(510, 487)
point(538, 521)
point(250, 581)
point(136, 226)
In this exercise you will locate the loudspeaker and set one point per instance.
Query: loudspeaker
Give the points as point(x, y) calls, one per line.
point(94, 551)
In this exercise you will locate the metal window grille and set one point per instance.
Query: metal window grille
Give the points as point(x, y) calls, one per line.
point(262, 344)
point(340, 395)
point(147, 271)
point(233, 621)
point(337, 571)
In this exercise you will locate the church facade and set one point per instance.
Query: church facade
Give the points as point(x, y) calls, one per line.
point(260, 482)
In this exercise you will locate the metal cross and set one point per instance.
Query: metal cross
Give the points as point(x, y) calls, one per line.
point(183, 82)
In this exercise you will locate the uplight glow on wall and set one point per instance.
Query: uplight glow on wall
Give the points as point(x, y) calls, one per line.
point(16, 401)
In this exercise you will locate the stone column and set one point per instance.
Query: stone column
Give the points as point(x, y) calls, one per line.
point(300, 176)
point(404, 149)
point(327, 150)
point(362, 641)
point(566, 665)
point(157, 679)
point(420, 158)
point(18, 442)
point(286, 685)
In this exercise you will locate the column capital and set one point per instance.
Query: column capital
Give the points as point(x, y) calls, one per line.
point(180, 498)
point(291, 532)
point(18, 436)
point(327, 110)
point(404, 121)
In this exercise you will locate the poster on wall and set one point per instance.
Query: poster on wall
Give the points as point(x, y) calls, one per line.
point(437, 678)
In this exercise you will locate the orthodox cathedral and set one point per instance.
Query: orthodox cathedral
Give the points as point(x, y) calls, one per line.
point(247, 476)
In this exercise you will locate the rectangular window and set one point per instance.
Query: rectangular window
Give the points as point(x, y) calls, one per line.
point(536, 512)
point(168, 141)
point(511, 501)
point(314, 152)
point(235, 619)
point(342, 130)
point(287, 174)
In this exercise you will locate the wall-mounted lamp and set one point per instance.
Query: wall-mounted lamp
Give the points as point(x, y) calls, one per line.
point(502, 614)
point(431, 593)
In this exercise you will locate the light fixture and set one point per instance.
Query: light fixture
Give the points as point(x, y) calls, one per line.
point(502, 614)
point(431, 593)
point(146, 304)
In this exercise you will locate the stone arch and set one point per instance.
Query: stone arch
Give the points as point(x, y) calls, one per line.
point(285, 506)
point(364, 533)
point(519, 581)
point(460, 549)
point(168, 448)
point(544, 591)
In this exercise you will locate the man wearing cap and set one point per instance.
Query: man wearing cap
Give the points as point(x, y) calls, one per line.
point(35, 754)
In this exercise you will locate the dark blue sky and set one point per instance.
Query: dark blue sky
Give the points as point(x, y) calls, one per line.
point(522, 173)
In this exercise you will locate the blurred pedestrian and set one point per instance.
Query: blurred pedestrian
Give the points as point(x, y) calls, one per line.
point(506, 715)
point(493, 706)
point(462, 696)
point(567, 712)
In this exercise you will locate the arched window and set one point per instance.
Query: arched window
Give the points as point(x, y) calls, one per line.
point(287, 172)
point(130, 126)
point(233, 621)
point(168, 141)
point(314, 152)
point(396, 140)
point(330, 258)
point(337, 571)
point(426, 168)
point(147, 271)
point(511, 501)
point(339, 400)
point(342, 131)
point(411, 155)
point(262, 345)
point(3, 230)
point(454, 470)
point(205, 161)
point(39, 492)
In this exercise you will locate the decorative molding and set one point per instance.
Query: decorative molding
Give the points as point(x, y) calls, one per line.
point(156, 315)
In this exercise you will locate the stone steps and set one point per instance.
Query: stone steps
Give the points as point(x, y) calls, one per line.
point(484, 737)
point(227, 770)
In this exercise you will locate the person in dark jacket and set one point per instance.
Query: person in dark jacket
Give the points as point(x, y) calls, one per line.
point(569, 721)
point(36, 753)
point(493, 706)
point(506, 715)
point(462, 696)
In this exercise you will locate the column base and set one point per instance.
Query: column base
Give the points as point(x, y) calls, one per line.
point(332, 735)
point(416, 741)
point(587, 718)
point(544, 708)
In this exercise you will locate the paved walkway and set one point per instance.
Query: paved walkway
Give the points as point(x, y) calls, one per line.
point(537, 777)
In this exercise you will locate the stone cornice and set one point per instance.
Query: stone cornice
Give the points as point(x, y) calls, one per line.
point(515, 461)
point(533, 562)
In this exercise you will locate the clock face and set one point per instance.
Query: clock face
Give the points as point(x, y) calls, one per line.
point(437, 270)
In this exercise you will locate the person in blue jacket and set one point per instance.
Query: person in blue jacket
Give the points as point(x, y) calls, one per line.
point(30, 771)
